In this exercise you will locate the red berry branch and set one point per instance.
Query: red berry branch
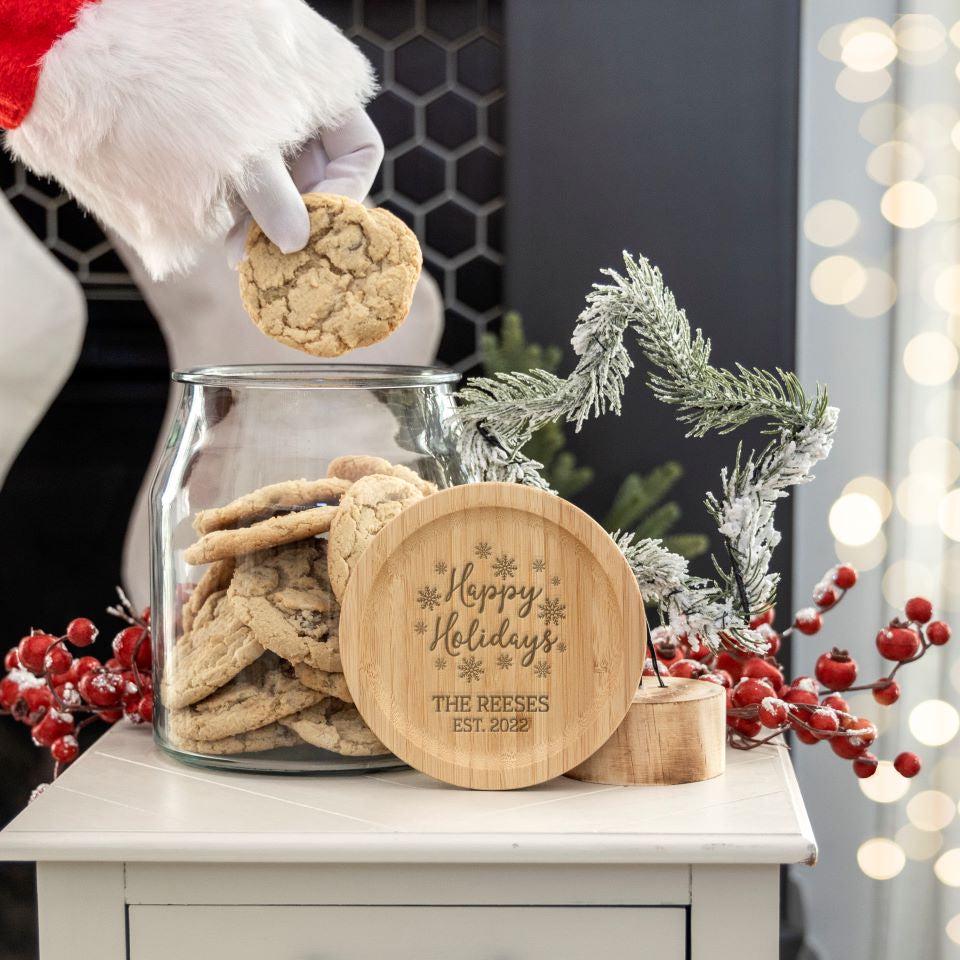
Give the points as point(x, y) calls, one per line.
point(57, 694)
point(762, 705)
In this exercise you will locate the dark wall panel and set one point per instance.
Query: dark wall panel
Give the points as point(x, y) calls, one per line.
point(665, 128)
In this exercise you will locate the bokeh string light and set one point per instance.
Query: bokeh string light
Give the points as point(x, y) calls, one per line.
point(912, 161)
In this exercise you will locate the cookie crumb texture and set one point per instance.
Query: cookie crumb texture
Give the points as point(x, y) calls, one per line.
point(350, 287)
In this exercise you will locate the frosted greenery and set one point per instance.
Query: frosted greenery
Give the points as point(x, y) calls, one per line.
point(502, 412)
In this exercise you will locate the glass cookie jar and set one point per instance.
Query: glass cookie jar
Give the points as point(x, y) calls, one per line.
point(245, 592)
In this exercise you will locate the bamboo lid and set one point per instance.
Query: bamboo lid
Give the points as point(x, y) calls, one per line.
point(493, 636)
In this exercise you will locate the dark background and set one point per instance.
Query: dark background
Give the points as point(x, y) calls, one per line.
point(528, 142)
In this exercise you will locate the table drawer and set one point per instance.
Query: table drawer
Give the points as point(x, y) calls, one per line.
point(405, 933)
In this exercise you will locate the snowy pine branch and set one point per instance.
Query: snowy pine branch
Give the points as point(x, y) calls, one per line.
point(518, 403)
point(500, 414)
point(708, 398)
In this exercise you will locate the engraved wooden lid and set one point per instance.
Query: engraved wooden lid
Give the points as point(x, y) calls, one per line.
point(493, 636)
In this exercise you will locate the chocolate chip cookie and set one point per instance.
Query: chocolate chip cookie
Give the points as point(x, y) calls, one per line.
point(209, 655)
point(269, 737)
point(283, 596)
point(351, 286)
point(365, 509)
point(269, 500)
point(288, 528)
point(215, 578)
point(260, 694)
point(353, 466)
point(337, 727)
point(329, 683)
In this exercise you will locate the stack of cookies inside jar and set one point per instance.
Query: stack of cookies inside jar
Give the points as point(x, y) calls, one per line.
point(256, 663)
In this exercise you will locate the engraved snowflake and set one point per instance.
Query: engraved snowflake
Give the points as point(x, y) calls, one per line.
point(470, 669)
point(552, 610)
point(504, 661)
point(483, 550)
point(504, 567)
point(440, 567)
point(555, 581)
point(539, 566)
point(420, 627)
point(428, 598)
point(561, 647)
point(440, 663)
point(541, 669)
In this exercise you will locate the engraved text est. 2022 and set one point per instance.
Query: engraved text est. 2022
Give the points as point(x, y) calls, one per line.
point(477, 597)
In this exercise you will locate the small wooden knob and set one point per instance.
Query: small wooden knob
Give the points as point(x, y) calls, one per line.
point(671, 734)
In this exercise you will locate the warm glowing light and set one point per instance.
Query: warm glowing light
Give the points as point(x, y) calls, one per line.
point(886, 785)
point(952, 929)
point(947, 242)
point(922, 58)
point(829, 44)
point(948, 515)
point(864, 25)
point(908, 204)
point(929, 275)
point(874, 488)
point(946, 289)
point(931, 810)
point(921, 39)
point(947, 868)
point(867, 44)
point(863, 705)
point(939, 409)
point(866, 556)
point(879, 294)
point(918, 844)
point(904, 579)
point(918, 496)
point(930, 358)
point(855, 519)
point(946, 774)
point(946, 191)
point(837, 280)
point(934, 722)
point(894, 160)
point(937, 456)
point(955, 34)
point(918, 32)
point(830, 223)
point(880, 858)
point(861, 87)
point(880, 121)
point(950, 585)
point(955, 130)
point(930, 125)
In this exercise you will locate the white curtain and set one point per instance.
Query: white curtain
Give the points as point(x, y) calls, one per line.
point(879, 322)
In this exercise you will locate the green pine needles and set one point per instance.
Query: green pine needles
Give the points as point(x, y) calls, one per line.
point(502, 412)
point(641, 504)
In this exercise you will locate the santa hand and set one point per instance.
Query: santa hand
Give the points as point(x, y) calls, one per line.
point(342, 161)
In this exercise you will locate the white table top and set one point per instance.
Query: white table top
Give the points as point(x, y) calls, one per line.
point(124, 799)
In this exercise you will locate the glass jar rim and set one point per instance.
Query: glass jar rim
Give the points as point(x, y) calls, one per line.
point(316, 376)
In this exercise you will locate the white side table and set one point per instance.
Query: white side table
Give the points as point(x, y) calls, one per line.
point(143, 858)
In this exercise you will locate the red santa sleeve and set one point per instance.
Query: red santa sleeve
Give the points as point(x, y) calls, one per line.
point(153, 113)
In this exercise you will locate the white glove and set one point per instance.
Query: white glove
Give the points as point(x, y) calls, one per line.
point(342, 161)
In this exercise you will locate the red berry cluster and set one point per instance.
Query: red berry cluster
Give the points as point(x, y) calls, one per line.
point(762, 704)
point(48, 688)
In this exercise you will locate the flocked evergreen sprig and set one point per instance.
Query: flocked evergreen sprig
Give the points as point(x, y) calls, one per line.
point(500, 414)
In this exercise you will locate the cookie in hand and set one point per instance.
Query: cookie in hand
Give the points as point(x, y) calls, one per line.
point(351, 286)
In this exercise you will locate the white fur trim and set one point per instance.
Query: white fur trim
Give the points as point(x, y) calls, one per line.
point(152, 112)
